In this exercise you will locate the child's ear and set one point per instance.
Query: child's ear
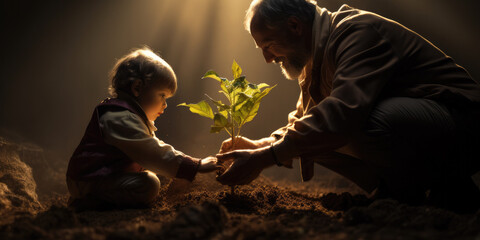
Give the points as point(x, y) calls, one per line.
point(136, 87)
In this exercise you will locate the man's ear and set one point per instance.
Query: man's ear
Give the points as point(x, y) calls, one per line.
point(295, 25)
point(136, 87)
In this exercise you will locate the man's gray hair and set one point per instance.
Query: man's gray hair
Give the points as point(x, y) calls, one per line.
point(276, 12)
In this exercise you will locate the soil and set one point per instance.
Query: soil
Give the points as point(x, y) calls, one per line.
point(274, 206)
point(265, 209)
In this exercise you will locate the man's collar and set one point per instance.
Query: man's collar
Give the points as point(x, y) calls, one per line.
point(323, 24)
point(320, 33)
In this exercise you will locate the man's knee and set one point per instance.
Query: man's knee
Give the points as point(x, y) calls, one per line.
point(414, 131)
point(410, 116)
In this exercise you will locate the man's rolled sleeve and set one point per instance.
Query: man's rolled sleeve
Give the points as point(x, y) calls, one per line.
point(285, 152)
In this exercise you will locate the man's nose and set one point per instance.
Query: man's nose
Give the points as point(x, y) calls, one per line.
point(165, 105)
point(269, 57)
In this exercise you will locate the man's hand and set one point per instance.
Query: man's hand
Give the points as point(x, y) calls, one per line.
point(247, 165)
point(208, 164)
point(245, 143)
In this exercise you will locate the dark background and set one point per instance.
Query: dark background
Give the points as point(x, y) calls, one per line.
point(56, 56)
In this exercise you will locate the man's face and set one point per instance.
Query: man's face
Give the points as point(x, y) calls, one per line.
point(281, 46)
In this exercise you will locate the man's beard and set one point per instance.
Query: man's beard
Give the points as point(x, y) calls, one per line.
point(292, 66)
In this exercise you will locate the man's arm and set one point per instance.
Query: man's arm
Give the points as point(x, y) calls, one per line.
point(292, 117)
point(364, 61)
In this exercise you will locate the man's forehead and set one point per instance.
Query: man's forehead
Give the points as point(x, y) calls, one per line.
point(259, 31)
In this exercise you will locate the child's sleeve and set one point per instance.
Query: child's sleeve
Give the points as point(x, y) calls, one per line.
point(126, 131)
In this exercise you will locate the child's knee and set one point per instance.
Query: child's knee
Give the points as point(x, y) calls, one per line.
point(152, 186)
point(131, 189)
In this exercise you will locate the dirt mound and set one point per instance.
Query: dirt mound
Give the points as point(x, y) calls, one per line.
point(17, 185)
point(48, 170)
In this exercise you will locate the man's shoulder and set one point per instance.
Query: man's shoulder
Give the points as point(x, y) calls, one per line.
point(347, 16)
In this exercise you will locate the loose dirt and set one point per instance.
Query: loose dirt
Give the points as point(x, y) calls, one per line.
point(265, 209)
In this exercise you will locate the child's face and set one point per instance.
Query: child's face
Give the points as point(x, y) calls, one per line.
point(153, 101)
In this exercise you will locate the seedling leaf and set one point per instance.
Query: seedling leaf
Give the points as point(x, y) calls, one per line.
point(212, 74)
point(201, 108)
point(236, 70)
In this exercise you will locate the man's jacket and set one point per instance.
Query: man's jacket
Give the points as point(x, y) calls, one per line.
point(360, 58)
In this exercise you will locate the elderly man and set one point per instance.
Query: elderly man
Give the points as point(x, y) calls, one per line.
point(379, 104)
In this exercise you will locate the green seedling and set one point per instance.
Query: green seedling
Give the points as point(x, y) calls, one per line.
point(243, 103)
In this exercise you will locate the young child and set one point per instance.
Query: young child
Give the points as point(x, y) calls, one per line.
point(109, 167)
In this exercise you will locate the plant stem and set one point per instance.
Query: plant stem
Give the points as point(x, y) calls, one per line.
point(238, 132)
point(233, 137)
point(233, 129)
point(227, 131)
point(232, 103)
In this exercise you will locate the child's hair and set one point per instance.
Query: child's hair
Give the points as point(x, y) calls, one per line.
point(141, 64)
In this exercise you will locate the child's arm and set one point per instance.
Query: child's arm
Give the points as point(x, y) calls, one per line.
point(126, 131)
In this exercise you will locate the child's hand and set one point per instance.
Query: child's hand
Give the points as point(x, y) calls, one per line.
point(208, 164)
